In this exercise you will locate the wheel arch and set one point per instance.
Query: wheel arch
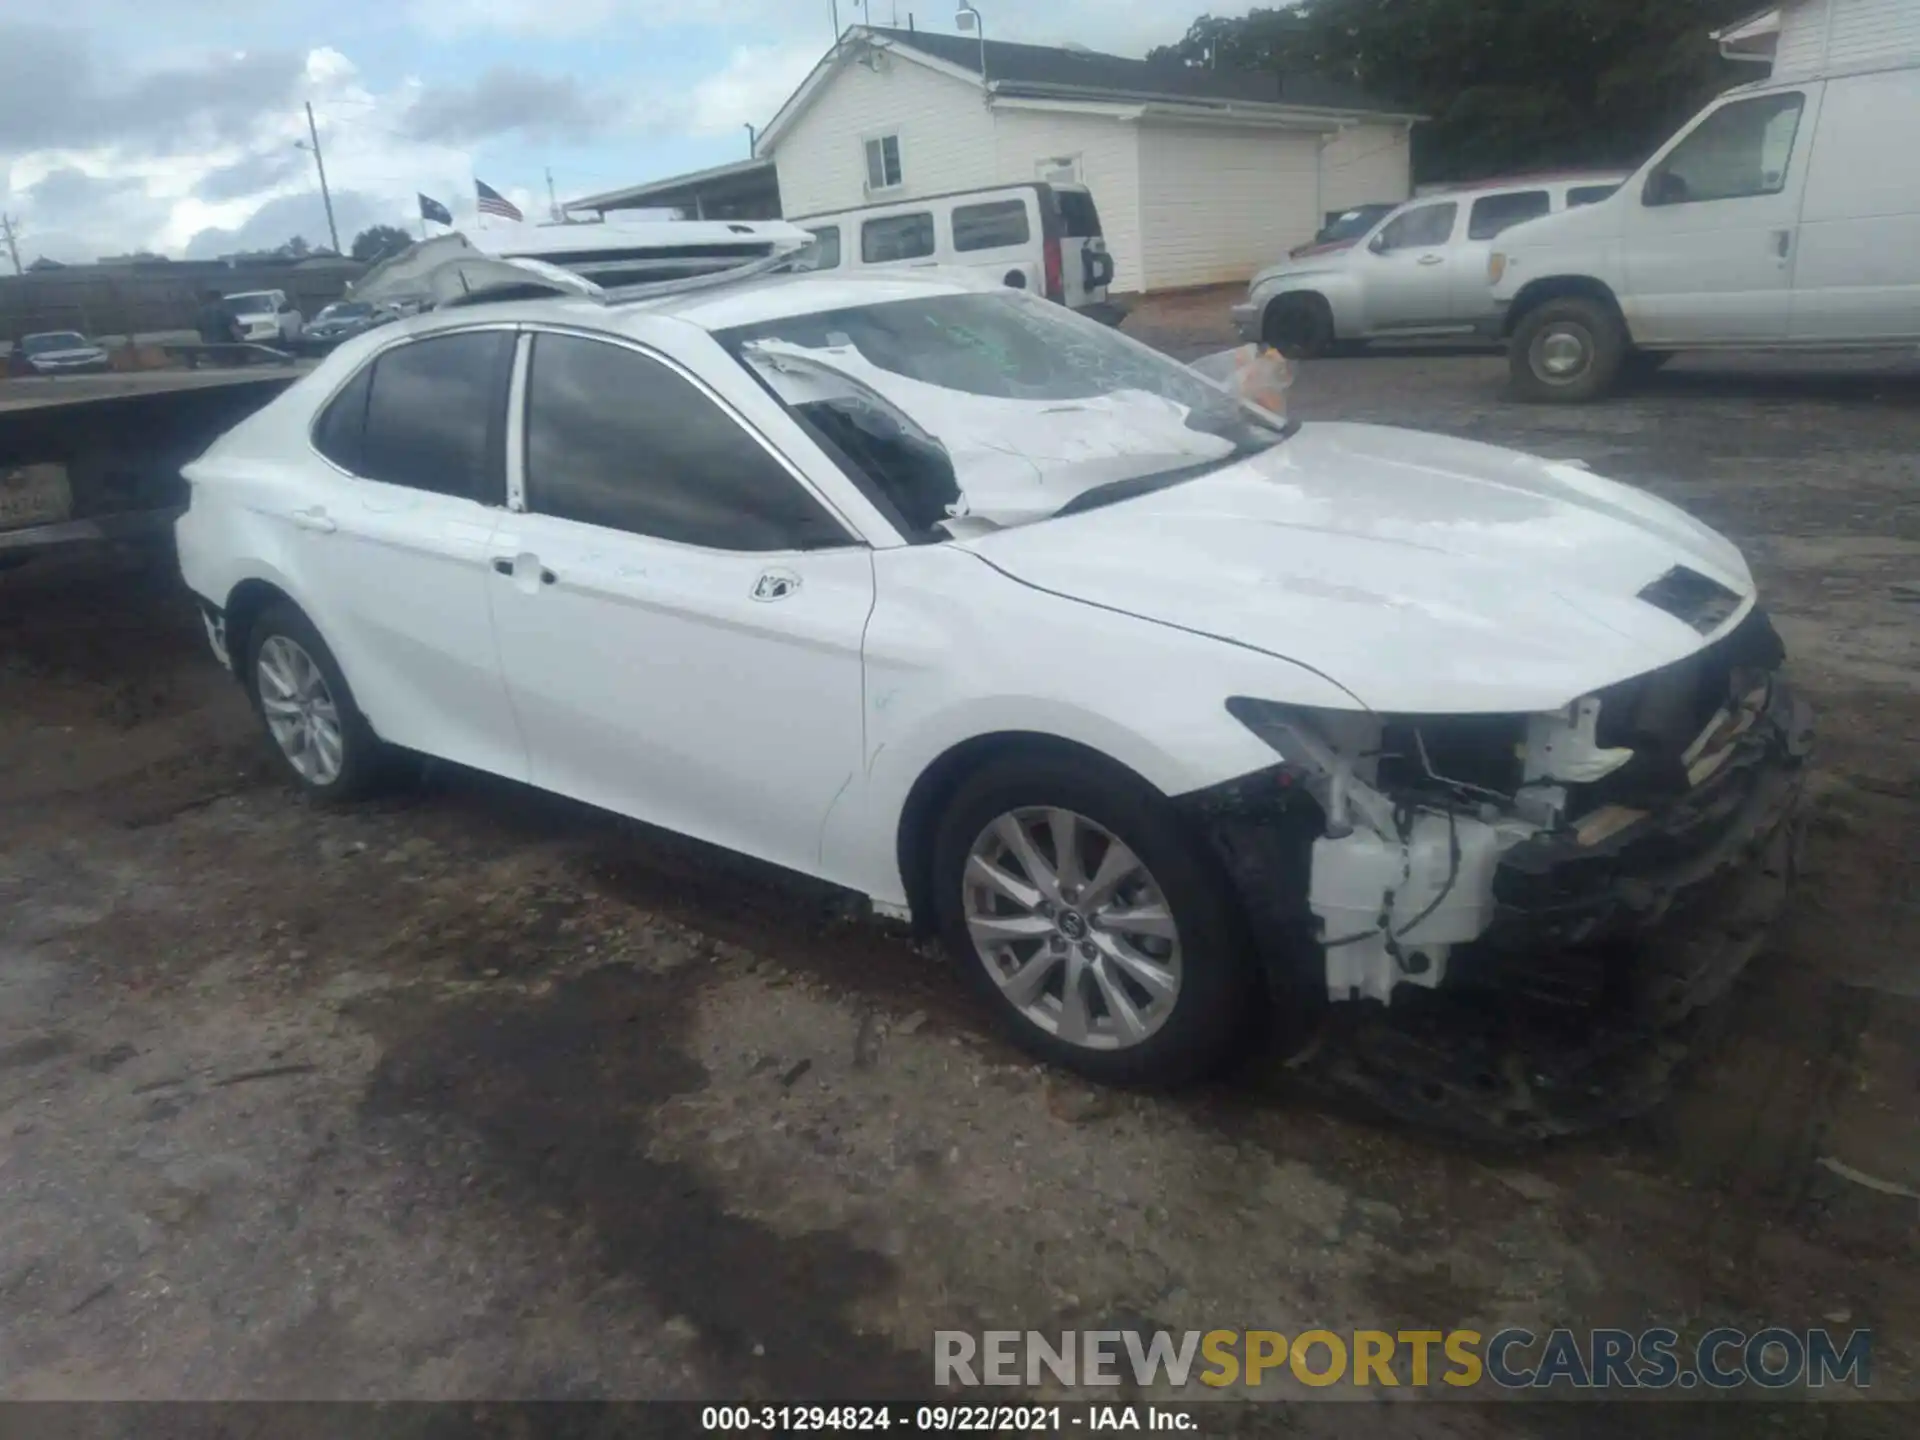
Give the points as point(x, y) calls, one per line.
point(1305, 295)
point(936, 785)
point(1536, 293)
point(246, 601)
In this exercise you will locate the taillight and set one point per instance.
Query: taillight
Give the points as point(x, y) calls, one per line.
point(1056, 284)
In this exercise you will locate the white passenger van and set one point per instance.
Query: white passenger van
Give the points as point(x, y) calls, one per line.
point(1785, 215)
point(1032, 236)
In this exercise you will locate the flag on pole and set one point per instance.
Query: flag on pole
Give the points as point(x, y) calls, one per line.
point(492, 202)
point(431, 209)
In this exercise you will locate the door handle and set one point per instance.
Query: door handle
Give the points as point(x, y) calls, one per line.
point(1782, 242)
point(1431, 259)
point(775, 585)
point(504, 565)
point(315, 519)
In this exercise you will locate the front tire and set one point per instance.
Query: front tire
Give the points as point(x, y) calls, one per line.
point(1300, 327)
point(1568, 351)
point(313, 725)
point(1092, 921)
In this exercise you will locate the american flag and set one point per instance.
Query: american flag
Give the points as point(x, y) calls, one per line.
point(492, 202)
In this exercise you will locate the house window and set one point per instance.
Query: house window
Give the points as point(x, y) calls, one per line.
point(883, 163)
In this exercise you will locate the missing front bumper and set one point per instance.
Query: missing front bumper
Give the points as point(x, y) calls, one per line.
point(1590, 989)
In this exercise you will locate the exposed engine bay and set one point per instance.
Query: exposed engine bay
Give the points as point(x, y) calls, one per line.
point(1565, 866)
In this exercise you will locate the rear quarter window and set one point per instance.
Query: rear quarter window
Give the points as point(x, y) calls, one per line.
point(1589, 194)
point(1079, 217)
point(342, 426)
point(825, 251)
point(991, 226)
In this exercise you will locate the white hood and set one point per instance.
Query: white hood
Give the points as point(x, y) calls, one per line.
point(1418, 572)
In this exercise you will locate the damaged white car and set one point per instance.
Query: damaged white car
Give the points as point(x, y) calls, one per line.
point(1172, 716)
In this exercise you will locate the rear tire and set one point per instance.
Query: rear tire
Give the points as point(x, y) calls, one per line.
point(1567, 351)
point(1300, 327)
point(1157, 951)
point(313, 726)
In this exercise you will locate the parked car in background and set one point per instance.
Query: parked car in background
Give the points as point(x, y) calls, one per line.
point(57, 352)
point(1034, 236)
point(1166, 712)
point(265, 316)
point(1420, 271)
point(1346, 228)
point(343, 319)
point(1785, 215)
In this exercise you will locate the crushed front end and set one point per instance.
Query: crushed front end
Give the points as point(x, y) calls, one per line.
point(1515, 921)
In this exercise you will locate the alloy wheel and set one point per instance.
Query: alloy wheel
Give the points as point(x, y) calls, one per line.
point(300, 710)
point(1073, 928)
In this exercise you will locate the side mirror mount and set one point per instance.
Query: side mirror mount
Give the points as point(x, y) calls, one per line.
point(1378, 244)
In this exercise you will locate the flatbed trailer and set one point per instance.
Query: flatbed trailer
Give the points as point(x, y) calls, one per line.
point(96, 458)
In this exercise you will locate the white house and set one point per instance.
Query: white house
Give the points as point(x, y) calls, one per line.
point(1810, 37)
point(1200, 175)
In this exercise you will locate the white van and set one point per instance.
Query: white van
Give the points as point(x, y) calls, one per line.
point(1032, 236)
point(1786, 215)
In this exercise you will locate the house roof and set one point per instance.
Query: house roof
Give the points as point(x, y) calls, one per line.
point(1049, 69)
point(1047, 75)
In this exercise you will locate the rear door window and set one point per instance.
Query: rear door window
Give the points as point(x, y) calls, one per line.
point(1079, 218)
point(1493, 213)
point(991, 226)
point(897, 237)
point(436, 415)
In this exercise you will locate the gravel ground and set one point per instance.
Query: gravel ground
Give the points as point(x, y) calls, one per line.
point(472, 1093)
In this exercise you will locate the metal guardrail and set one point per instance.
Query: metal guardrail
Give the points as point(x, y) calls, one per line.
point(245, 352)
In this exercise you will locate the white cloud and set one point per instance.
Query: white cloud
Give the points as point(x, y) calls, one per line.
point(756, 83)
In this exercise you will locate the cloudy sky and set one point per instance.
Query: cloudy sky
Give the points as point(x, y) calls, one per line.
point(171, 124)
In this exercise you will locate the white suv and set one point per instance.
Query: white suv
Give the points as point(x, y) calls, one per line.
point(1153, 703)
point(265, 316)
point(1419, 271)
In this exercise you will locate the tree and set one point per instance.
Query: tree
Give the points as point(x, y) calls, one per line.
point(377, 242)
point(295, 249)
point(1508, 84)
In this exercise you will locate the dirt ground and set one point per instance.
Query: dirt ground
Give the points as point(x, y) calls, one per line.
point(471, 1093)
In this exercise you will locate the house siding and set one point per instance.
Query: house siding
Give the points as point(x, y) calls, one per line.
point(1863, 31)
point(1217, 204)
point(946, 138)
point(1364, 164)
point(1107, 152)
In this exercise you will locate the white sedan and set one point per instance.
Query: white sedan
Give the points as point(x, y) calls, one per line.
point(1167, 713)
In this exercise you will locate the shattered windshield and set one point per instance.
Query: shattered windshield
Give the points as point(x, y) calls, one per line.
point(1000, 407)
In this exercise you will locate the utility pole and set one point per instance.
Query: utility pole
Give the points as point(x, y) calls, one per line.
point(13, 245)
point(553, 203)
point(326, 197)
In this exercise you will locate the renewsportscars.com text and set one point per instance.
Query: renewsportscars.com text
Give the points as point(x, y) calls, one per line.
point(1773, 1358)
